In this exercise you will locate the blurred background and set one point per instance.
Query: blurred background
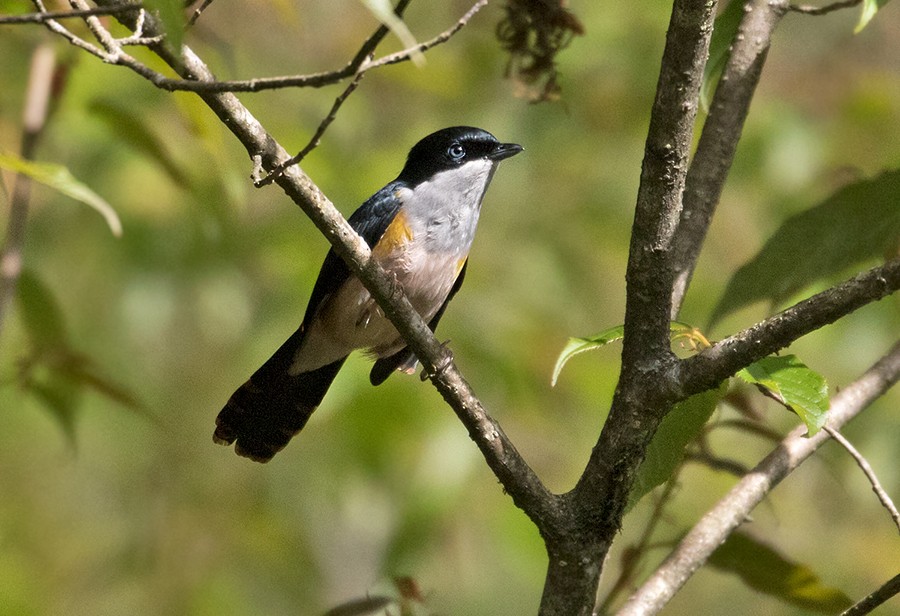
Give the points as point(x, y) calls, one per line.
point(112, 508)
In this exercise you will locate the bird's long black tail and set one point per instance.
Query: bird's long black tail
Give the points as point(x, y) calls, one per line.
point(274, 405)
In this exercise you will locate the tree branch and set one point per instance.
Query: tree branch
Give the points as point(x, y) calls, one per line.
point(709, 368)
point(644, 395)
point(730, 512)
point(721, 133)
point(596, 504)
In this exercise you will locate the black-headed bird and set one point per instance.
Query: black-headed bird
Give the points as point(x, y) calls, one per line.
point(419, 228)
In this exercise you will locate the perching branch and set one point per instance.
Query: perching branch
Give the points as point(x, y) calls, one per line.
point(730, 512)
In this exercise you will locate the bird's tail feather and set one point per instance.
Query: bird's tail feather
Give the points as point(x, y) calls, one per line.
point(274, 405)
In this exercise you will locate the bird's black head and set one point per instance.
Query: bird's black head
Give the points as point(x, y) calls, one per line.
point(451, 148)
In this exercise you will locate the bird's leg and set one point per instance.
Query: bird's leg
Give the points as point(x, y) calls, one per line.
point(446, 360)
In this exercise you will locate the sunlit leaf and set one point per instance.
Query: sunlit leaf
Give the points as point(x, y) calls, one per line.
point(383, 11)
point(131, 128)
point(580, 345)
point(171, 14)
point(869, 8)
point(59, 178)
point(683, 423)
point(724, 30)
point(793, 384)
point(858, 223)
point(765, 570)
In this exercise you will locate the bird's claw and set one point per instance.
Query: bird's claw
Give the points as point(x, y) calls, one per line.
point(446, 360)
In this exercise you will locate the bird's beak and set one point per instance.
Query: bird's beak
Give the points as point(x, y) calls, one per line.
point(504, 150)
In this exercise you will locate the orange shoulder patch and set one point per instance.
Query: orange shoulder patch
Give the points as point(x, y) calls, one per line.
point(396, 235)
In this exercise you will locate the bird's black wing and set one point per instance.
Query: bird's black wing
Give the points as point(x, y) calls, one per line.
point(273, 405)
point(370, 221)
point(386, 365)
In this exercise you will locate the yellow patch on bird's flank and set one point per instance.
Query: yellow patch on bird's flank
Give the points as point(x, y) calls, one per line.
point(397, 234)
point(460, 264)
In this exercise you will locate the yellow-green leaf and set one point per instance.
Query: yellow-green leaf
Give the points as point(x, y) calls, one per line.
point(869, 8)
point(59, 178)
point(580, 345)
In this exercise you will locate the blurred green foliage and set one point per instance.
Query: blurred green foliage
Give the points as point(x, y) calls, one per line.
point(141, 513)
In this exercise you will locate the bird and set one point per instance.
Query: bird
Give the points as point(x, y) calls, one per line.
point(419, 228)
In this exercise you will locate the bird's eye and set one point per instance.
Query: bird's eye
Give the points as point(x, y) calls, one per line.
point(456, 151)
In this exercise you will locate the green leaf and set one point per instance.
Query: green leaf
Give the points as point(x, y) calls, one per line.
point(858, 223)
point(869, 8)
point(60, 179)
point(666, 450)
point(40, 313)
point(724, 30)
point(171, 14)
point(580, 345)
point(793, 384)
point(131, 128)
point(763, 569)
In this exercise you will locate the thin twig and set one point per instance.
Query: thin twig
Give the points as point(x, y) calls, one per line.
point(866, 605)
point(196, 14)
point(316, 138)
point(42, 16)
point(734, 508)
point(870, 474)
point(313, 80)
point(808, 9)
point(362, 56)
